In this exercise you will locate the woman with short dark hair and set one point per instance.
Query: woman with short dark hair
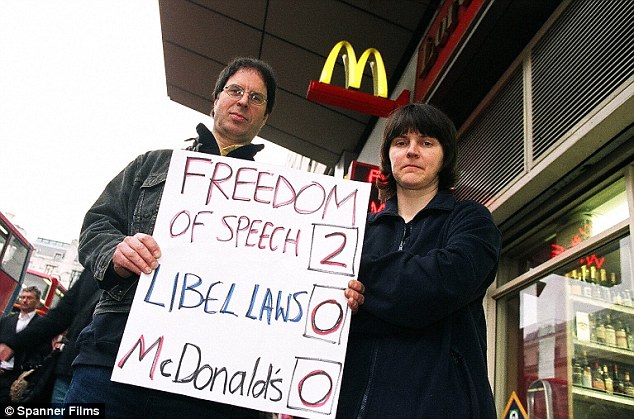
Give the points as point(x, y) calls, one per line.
point(417, 344)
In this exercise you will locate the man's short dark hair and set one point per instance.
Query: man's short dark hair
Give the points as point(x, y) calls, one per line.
point(35, 290)
point(260, 66)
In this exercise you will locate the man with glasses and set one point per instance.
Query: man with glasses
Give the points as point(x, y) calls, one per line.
point(116, 245)
point(11, 325)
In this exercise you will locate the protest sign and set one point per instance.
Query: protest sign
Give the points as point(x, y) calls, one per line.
point(247, 305)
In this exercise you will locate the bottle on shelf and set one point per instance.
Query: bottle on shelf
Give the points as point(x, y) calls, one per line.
point(587, 377)
point(597, 378)
point(603, 276)
point(577, 373)
point(584, 370)
point(599, 329)
point(627, 384)
point(610, 332)
point(598, 291)
point(583, 273)
point(583, 360)
point(584, 277)
point(621, 335)
point(617, 383)
point(607, 293)
point(613, 279)
point(629, 337)
point(582, 326)
point(607, 380)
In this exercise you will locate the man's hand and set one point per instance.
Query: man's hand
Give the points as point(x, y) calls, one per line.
point(136, 254)
point(6, 353)
point(354, 294)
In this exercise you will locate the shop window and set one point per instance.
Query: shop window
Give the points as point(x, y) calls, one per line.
point(565, 335)
point(595, 213)
point(572, 330)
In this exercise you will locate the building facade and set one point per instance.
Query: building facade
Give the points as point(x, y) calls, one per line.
point(57, 259)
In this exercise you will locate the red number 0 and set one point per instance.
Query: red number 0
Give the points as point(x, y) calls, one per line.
point(326, 260)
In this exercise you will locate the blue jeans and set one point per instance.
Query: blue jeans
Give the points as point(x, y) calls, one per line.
point(62, 382)
point(93, 385)
point(59, 392)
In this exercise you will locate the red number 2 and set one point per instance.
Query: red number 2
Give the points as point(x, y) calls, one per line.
point(327, 260)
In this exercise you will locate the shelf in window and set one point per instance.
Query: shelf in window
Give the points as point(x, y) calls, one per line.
point(605, 351)
point(595, 395)
point(603, 304)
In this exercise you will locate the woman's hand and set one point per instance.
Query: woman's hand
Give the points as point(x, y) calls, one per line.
point(354, 294)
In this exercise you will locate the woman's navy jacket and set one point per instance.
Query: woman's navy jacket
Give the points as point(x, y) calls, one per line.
point(417, 346)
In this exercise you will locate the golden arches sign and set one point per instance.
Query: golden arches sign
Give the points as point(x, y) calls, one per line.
point(354, 69)
point(378, 104)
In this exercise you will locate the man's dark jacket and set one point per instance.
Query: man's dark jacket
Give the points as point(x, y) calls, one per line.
point(26, 357)
point(417, 346)
point(128, 205)
point(71, 314)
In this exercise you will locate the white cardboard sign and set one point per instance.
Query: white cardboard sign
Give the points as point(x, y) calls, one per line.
point(247, 305)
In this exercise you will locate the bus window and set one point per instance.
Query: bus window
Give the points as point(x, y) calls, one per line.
point(15, 252)
point(4, 235)
point(14, 258)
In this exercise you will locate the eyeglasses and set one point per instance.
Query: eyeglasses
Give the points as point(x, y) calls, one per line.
point(236, 91)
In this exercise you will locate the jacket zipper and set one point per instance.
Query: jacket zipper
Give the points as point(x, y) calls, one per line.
point(368, 387)
point(459, 361)
point(407, 229)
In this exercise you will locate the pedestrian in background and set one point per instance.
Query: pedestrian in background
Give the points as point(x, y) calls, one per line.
point(12, 366)
point(70, 315)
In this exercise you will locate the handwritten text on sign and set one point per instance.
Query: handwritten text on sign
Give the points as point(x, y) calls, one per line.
point(247, 305)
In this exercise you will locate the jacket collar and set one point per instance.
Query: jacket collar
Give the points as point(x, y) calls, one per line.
point(444, 200)
point(206, 143)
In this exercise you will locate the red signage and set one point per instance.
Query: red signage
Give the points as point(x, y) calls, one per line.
point(354, 101)
point(364, 172)
point(378, 104)
point(442, 40)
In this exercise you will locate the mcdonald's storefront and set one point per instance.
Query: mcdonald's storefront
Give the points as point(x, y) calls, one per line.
point(542, 95)
point(549, 151)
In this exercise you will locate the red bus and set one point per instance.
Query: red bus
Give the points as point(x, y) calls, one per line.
point(52, 290)
point(15, 252)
